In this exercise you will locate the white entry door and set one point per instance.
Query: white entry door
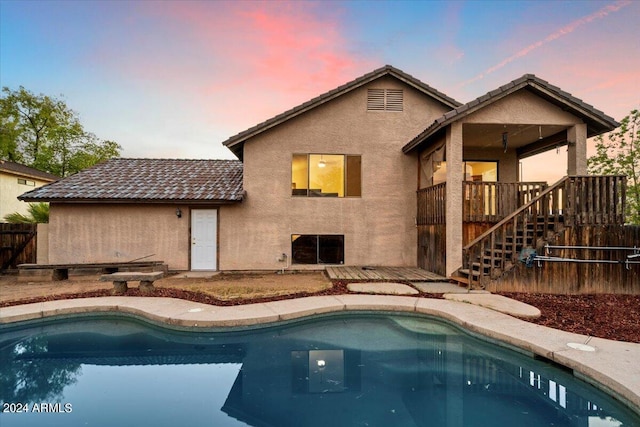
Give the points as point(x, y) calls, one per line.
point(204, 239)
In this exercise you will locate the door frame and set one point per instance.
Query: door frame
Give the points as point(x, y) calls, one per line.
point(217, 258)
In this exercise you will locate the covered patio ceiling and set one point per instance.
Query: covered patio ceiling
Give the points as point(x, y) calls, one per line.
point(527, 139)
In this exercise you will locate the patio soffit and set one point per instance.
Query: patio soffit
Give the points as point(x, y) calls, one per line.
point(519, 136)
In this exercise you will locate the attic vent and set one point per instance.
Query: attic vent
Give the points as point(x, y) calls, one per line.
point(375, 100)
point(384, 100)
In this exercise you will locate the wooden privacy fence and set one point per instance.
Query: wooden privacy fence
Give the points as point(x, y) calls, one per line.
point(599, 266)
point(432, 205)
point(17, 244)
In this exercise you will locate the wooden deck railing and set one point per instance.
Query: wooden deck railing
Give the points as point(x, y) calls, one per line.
point(492, 201)
point(595, 200)
point(483, 201)
point(572, 200)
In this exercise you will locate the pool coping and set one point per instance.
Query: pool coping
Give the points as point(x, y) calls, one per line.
point(609, 365)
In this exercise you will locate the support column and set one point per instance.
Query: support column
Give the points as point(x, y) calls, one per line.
point(453, 213)
point(577, 153)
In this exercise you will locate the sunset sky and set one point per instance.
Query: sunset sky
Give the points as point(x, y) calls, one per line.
point(175, 78)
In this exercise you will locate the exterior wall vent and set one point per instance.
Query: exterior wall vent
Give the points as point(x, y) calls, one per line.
point(384, 100)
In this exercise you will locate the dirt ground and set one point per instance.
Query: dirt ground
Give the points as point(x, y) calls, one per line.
point(224, 287)
point(615, 317)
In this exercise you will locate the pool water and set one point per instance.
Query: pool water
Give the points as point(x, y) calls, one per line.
point(340, 370)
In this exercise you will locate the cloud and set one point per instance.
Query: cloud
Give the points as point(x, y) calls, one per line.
point(567, 29)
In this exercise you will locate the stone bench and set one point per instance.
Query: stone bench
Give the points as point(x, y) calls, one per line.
point(120, 280)
point(54, 272)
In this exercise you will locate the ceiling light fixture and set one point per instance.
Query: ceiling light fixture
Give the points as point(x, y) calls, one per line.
point(322, 163)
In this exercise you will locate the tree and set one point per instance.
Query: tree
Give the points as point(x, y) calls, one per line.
point(37, 213)
point(44, 133)
point(620, 155)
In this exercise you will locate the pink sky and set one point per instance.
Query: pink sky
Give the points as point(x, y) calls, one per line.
point(175, 78)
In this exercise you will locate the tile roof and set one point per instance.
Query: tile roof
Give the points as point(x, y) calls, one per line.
point(236, 142)
point(148, 180)
point(597, 121)
point(26, 171)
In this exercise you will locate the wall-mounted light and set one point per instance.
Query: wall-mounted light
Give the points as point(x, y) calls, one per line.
point(505, 140)
point(437, 165)
point(178, 212)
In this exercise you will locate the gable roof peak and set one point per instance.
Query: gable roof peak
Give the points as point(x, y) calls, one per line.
point(597, 121)
point(236, 142)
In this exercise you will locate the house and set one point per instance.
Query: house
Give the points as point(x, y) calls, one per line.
point(330, 182)
point(16, 179)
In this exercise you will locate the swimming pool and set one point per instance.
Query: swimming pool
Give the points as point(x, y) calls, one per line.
point(351, 369)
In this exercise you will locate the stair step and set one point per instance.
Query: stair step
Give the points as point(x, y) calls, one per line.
point(460, 280)
point(497, 252)
point(465, 271)
point(507, 243)
point(508, 246)
point(486, 260)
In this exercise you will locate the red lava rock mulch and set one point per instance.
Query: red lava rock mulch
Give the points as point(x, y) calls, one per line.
point(614, 317)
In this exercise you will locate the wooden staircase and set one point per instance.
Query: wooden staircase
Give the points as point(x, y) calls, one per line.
point(496, 251)
point(500, 258)
point(572, 201)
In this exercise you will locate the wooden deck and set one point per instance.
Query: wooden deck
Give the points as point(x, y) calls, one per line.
point(410, 274)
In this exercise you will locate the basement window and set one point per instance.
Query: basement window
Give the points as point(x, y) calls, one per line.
point(385, 100)
point(317, 249)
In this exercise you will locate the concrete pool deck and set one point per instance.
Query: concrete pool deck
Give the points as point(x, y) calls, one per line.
point(610, 365)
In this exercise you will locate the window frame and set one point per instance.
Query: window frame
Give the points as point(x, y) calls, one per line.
point(349, 189)
point(27, 182)
point(464, 166)
point(318, 248)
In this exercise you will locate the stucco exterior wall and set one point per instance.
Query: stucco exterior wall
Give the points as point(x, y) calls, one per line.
point(42, 248)
point(10, 190)
point(378, 227)
point(522, 107)
point(84, 233)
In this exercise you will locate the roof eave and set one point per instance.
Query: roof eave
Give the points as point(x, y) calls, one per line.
point(30, 176)
point(135, 201)
point(579, 108)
